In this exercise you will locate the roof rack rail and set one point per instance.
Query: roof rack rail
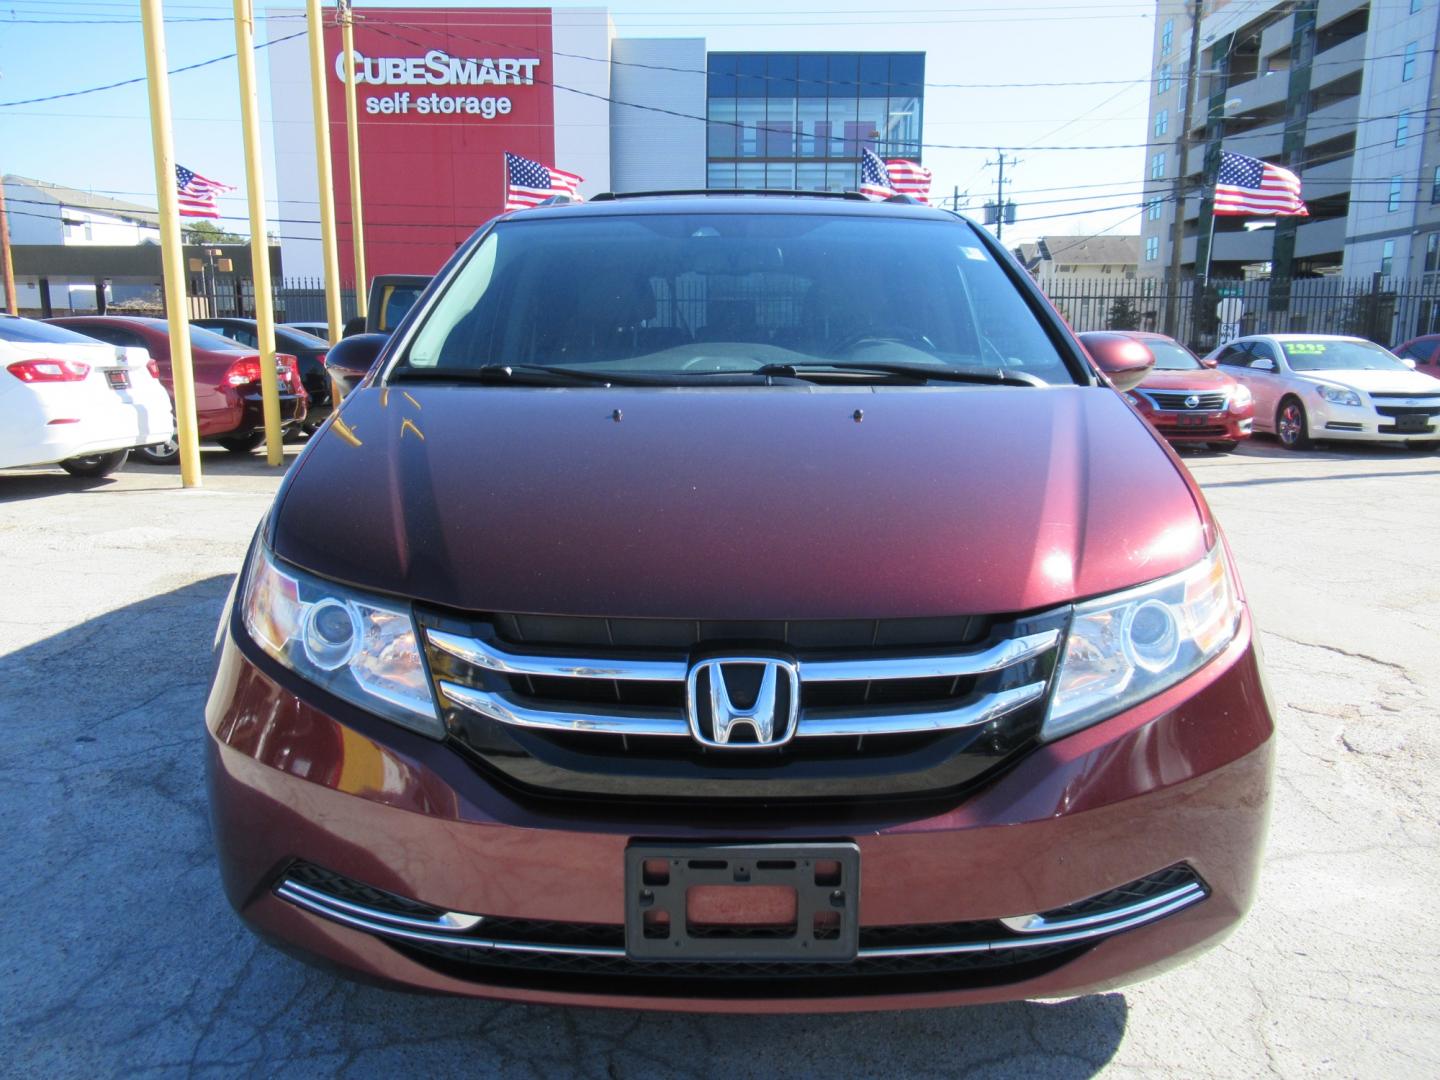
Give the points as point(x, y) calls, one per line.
point(555, 200)
point(608, 196)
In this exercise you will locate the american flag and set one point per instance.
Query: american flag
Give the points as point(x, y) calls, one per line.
point(197, 193)
point(1247, 185)
point(528, 183)
point(874, 177)
point(881, 179)
point(909, 178)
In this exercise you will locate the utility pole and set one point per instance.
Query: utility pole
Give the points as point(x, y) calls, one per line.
point(1000, 209)
point(320, 104)
point(259, 238)
point(172, 251)
point(1182, 168)
point(958, 198)
point(12, 305)
point(346, 15)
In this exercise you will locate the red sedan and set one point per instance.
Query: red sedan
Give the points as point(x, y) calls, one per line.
point(227, 380)
point(1425, 351)
point(1185, 399)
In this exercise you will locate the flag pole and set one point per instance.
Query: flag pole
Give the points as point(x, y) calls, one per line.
point(334, 316)
point(1209, 248)
point(259, 241)
point(346, 16)
point(172, 254)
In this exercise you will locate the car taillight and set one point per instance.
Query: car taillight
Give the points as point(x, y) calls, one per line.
point(153, 366)
point(38, 371)
point(245, 370)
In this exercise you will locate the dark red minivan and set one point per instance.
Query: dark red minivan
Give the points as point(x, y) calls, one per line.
point(738, 603)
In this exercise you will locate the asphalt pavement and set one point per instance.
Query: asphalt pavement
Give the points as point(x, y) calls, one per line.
point(119, 955)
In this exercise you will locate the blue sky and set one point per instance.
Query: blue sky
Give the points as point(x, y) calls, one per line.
point(101, 141)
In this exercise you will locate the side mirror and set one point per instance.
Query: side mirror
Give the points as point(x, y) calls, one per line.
point(1263, 363)
point(1210, 361)
point(351, 359)
point(1408, 361)
point(1124, 360)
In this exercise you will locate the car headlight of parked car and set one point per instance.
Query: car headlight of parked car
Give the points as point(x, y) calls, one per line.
point(1240, 397)
point(1338, 395)
point(1129, 646)
point(360, 648)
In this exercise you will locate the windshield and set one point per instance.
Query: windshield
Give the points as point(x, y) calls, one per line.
point(43, 333)
point(690, 294)
point(1171, 357)
point(1340, 356)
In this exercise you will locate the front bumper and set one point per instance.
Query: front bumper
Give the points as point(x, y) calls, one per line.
point(1365, 423)
point(1183, 780)
point(1201, 428)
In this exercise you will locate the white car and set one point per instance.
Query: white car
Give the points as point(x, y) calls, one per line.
point(70, 400)
point(1324, 386)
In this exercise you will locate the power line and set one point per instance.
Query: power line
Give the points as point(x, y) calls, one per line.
point(141, 78)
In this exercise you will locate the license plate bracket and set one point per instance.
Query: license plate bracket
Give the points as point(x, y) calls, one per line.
point(1194, 419)
point(1412, 422)
point(661, 913)
point(118, 378)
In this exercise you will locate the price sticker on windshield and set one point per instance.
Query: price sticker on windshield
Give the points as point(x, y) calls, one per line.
point(1298, 348)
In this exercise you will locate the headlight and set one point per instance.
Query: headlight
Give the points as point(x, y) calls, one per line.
point(1129, 646)
point(1240, 397)
point(1338, 395)
point(360, 648)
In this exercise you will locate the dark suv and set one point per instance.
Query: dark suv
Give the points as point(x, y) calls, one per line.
point(738, 603)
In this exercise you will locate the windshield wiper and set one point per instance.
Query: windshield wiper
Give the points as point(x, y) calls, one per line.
point(925, 372)
point(519, 375)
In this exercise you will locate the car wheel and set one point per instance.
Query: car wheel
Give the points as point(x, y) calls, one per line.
point(95, 464)
point(242, 444)
point(1223, 447)
point(1291, 426)
point(165, 453)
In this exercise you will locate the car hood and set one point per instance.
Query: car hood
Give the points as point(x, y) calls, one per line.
point(738, 503)
point(1197, 379)
point(1378, 382)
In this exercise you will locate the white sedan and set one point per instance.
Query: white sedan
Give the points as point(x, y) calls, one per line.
point(1324, 386)
point(70, 400)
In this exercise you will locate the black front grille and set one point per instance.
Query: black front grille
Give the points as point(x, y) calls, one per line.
point(1176, 400)
point(1395, 411)
point(618, 975)
point(850, 767)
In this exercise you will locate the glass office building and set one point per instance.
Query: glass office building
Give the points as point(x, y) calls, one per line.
point(798, 121)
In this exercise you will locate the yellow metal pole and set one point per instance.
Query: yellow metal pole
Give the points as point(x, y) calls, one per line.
point(320, 102)
point(352, 139)
point(259, 240)
point(172, 253)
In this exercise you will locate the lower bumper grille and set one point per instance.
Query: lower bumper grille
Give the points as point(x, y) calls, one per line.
point(591, 957)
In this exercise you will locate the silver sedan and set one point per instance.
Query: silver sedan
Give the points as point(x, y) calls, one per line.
point(1324, 386)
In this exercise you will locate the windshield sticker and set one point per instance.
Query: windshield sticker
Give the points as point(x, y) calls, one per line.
point(1301, 348)
point(974, 253)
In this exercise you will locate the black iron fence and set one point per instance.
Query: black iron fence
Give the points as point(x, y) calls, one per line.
point(1388, 310)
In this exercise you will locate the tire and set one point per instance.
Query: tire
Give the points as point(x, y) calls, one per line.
point(166, 453)
point(1223, 447)
point(242, 444)
point(95, 465)
point(1292, 427)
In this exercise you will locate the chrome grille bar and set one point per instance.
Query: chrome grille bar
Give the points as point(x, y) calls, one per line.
point(609, 719)
point(996, 658)
point(490, 657)
point(615, 720)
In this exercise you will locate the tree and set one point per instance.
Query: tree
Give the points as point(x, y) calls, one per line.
point(1123, 315)
point(207, 232)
